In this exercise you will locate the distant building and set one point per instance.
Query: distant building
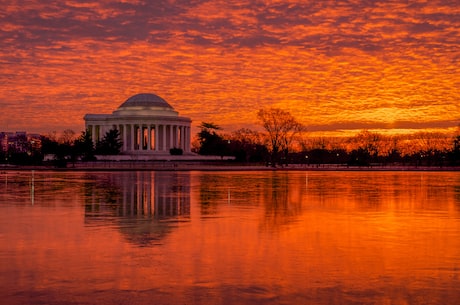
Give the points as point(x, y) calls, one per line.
point(19, 142)
point(148, 125)
point(4, 141)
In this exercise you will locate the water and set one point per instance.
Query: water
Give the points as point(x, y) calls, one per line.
point(229, 237)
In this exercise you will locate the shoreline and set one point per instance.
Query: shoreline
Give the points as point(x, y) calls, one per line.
point(189, 166)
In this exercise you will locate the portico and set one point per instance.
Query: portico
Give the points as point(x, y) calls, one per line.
point(147, 125)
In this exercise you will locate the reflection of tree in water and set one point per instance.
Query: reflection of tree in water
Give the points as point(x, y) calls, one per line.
point(143, 205)
point(367, 193)
point(278, 192)
point(457, 194)
point(102, 196)
point(332, 191)
point(222, 188)
point(283, 200)
point(379, 191)
point(42, 187)
point(212, 191)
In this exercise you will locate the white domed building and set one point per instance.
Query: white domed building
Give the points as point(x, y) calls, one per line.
point(148, 126)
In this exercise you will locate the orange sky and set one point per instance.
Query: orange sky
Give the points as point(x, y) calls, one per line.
point(335, 65)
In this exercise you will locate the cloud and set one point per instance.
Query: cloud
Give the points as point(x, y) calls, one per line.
point(369, 63)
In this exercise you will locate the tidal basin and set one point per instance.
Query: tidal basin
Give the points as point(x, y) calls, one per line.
point(217, 237)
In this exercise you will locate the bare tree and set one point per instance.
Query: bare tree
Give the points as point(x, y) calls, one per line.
point(368, 142)
point(247, 136)
point(67, 137)
point(281, 128)
point(247, 145)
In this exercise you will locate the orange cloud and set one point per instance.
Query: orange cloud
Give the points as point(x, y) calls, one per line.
point(350, 64)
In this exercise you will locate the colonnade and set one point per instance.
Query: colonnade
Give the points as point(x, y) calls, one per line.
point(147, 137)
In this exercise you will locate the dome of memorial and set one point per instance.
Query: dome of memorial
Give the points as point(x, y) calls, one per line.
point(145, 104)
point(145, 100)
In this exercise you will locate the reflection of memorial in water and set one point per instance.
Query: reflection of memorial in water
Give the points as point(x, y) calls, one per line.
point(157, 194)
point(143, 205)
point(160, 194)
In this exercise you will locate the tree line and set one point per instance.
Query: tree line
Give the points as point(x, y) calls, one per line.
point(283, 140)
point(64, 148)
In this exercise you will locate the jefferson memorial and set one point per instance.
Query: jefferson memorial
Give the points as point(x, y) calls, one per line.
point(148, 125)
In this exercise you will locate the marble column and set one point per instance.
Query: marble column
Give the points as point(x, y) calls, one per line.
point(128, 137)
point(89, 129)
point(156, 140)
point(125, 137)
point(163, 148)
point(171, 136)
point(149, 136)
point(182, 139)
point(187, 139)
point(134, 136)
point(142, 130)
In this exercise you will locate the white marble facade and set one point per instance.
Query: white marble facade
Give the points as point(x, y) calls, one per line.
point(147, 125)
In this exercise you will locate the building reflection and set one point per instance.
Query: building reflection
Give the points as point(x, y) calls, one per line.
point(159, 194)
point(143, 205)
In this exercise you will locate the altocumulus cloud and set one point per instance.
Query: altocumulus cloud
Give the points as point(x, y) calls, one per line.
point(334, 64)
